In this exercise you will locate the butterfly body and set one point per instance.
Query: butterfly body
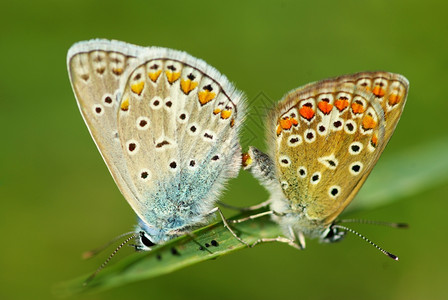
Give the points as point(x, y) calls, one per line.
point(324, 139)
point(167, 126)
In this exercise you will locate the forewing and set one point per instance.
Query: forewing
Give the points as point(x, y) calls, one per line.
point(178, 123)
point(97, 69)
point(327, 136)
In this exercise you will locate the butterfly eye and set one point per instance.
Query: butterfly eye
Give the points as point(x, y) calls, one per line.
point(146, 241)
point(333, 235)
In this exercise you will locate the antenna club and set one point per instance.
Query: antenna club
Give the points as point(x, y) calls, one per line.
point(394, 257)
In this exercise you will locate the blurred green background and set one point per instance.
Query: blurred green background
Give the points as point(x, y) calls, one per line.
point(59, 200)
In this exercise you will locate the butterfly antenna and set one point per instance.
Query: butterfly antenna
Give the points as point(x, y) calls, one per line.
point(109, 258)
point(367, 240)
point(92, 253)
point(388, 224)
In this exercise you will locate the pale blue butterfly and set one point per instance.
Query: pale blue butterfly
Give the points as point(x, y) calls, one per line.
point(167, 126)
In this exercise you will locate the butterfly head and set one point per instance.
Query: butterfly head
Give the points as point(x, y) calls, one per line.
point(332, 234)
point(148, 236)
point(144, 241)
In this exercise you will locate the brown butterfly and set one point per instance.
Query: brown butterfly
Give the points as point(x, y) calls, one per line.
point(324, 140)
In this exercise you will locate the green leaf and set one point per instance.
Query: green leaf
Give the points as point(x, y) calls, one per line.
point(176, 254)
point(405, 174)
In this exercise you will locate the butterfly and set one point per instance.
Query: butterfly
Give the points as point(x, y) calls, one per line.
point(324, 139)
point(166, 124)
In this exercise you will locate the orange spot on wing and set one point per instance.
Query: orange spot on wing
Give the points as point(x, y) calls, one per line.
point(378, 91)
point(232, 122)
point(374, 140)
point(368, 122)
point(206, 96)
point(394, 99)
point(341, 103)
point(154, 75)
point(225, 114)
point(188, 85)
point(357, 108)
point(117, 71)
point(137, 88)
point(306, 112)
point(325, 107)
point(279, 130)
point(286, 123)
point(125, 105)
point(172, 76)
point(216, 111)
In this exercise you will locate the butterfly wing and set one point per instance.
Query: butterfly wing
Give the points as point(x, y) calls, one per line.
point(327, 136)
point(97, 70)
point(178, 123)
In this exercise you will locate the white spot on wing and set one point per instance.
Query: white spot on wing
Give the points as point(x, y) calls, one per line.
point(334, 191)
point(309, 135)
point(132, 147)
point(315, 178)
point(329, 161)
point(356, 168)
point(284, 161)
point(144, 175)
point(142, 123)
point(98, 110)
point(301, 171)
point(294, 140)
point(350, 126)
point(355, 148)
point(156, 103)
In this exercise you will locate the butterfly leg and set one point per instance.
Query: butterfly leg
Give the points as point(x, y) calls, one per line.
point(265, 213)
point(298, 237)
point(279, 239)
point(226, 224)
point(249, 208)
point(298, 242)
